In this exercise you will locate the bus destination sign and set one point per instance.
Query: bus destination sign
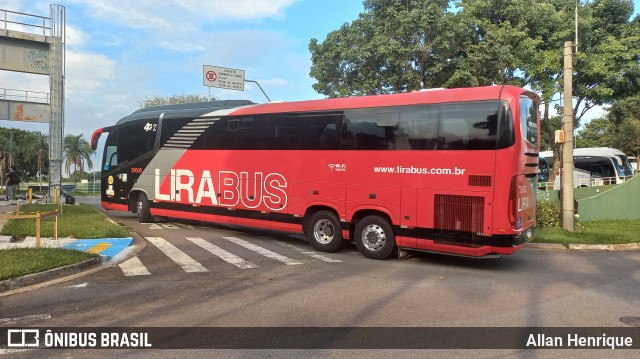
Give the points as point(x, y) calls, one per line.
point(222, 77)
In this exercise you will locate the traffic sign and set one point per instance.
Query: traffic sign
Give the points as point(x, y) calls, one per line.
point(223, 77)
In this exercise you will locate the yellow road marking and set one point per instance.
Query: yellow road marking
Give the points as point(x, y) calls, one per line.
point(99, 247)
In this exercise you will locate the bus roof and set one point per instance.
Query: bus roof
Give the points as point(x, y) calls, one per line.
point(245, 107)
point(399, 99)
point(195, 109)
point(589, 151)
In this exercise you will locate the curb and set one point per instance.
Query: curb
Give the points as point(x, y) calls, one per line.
point(72, 271)
point(585, 247)
point(37, 278)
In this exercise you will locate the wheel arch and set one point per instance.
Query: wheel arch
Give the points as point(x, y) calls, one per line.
point(316, 208)
point(364, 212)
point(133, 198)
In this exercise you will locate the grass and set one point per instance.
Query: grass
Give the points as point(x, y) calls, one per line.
point(596, 232)
point(78, 221)
point(18, 262)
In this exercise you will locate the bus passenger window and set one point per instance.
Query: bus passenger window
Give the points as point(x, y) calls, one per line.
point(468, 126)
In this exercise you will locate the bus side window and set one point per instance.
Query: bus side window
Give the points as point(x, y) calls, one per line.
point(468, 126)
point(420, 126)
point(246, 133)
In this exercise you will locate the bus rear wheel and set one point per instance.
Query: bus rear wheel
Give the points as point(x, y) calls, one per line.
point(374, 237)
point(142, 208)
point(324, 231)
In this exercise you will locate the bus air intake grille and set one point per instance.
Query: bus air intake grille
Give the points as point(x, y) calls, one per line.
point(459, 220)
point(479, 181)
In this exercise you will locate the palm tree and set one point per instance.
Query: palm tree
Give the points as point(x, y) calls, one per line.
point(34, 152)
point(77, 150)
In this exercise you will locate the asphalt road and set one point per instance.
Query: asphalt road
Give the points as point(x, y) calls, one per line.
point(228, 277)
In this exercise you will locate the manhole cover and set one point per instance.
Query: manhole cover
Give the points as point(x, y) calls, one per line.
point(631, 321)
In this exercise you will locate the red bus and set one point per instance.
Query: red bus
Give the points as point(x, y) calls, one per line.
point(444, 170)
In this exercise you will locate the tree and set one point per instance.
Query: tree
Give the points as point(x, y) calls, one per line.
point(172, 100)
point(596, 133)
point(624, 117)
point(76, 151)
point(393, 46)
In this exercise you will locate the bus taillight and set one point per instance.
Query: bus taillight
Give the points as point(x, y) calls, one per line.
point(513, 202)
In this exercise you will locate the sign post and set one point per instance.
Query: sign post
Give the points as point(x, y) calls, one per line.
point(226, 78)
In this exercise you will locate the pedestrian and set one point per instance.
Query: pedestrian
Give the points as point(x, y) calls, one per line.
point(13, 180)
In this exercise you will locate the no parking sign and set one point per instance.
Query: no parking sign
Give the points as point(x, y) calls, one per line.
point(223, 77)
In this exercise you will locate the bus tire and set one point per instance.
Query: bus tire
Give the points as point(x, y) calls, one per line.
point(324, 231)
point(374, 237)
point(142, 208)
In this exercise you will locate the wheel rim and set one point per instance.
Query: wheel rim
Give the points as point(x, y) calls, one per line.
point(323, 231)
point(373, 237)
point(139, 206)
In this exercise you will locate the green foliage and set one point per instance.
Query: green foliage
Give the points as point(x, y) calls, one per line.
point(596, 232)
point(76, 151)
point(172, 100)
point(77, 221)
point(547, 214)
point(596, 133)
point(405, 45)
point(23, 148)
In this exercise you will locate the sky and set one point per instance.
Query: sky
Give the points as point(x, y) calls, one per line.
point(119, 53)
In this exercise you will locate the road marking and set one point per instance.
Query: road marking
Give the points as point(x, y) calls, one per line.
point(82, 285)
point(187, 263)
point(169, 225)
point(99, 247)
point(262, 251)
point(133, 266)
point(222, 254)
point(310, 253)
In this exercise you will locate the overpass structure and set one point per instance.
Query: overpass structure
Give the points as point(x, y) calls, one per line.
point(36, 44)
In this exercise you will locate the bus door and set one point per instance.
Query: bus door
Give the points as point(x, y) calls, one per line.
point(111, 182)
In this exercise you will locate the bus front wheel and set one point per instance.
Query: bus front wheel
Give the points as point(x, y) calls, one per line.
point(142, 207)
point(324, 231)
point(374, 237)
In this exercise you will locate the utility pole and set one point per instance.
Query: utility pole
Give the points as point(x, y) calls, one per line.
point(568, 210)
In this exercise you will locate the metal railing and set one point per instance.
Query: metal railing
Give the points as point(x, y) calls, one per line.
point(19, 21)
point(23, 95)
point(594, 182)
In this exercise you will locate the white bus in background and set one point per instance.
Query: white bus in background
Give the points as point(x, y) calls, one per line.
point(605, 165)
point(634, 164)
point(581, 178)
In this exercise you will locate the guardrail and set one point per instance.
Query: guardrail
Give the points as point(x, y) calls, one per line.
point(594, 182)
point(14, 20)
point(24, 95)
